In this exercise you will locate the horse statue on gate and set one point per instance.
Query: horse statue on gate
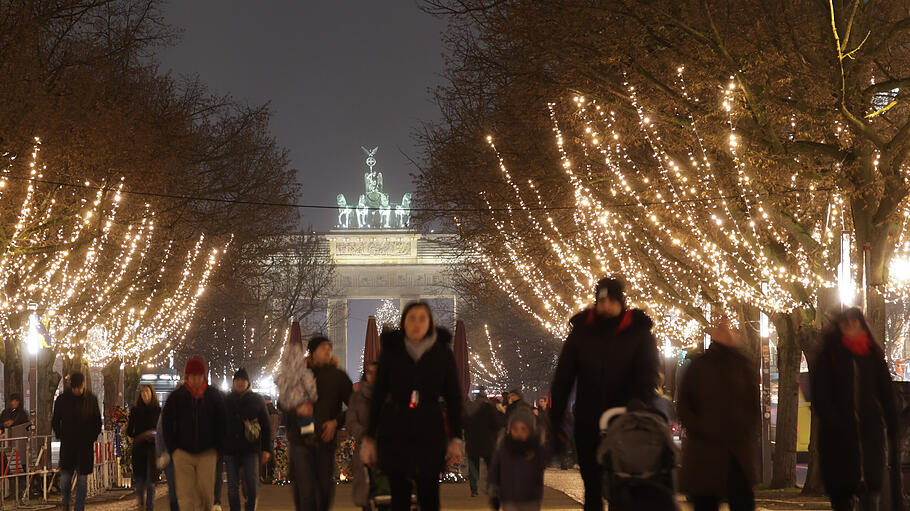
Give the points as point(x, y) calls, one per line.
point(403, 211)
point(344, 212)
point(363, 213)
point(385, 213)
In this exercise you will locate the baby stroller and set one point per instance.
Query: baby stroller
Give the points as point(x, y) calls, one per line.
point(638, 456)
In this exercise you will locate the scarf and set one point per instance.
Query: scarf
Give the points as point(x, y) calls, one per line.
point(858, 345)
point(197, 393)
point(526, 449)
point(417, 348)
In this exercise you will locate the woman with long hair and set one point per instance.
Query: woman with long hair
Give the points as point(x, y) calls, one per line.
point(142, 428)
point(411, 435)
point(854, 399)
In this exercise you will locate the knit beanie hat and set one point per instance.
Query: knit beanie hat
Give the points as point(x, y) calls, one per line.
point(315, 342)
point(610, 288)
point(241, 374)
point(525, 414)
point(195, 365)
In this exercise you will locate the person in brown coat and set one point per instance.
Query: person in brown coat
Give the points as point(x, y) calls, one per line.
point(719, 409)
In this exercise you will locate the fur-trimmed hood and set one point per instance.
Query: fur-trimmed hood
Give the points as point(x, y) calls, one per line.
point(395, 337)
point(631, 318)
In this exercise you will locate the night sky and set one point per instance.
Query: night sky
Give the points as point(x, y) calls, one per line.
point(338, 74)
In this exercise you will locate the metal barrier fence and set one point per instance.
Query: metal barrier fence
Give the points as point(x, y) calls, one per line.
point(29, 466)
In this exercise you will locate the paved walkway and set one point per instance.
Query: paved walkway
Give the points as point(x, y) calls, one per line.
point(454, 496)
point(564, 492)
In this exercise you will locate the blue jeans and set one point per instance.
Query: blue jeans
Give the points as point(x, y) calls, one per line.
point(171, 486)
point(145, 486)
point(66, 485)
point(248, 464)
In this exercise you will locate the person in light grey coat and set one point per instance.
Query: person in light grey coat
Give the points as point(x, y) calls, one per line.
point(356, 422)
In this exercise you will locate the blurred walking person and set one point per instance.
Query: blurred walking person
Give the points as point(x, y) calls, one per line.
point(410, 436)
point(248, 445)
point(142, 428)
point(166, 464)
point(719, 409)
point(77, 423)
point(194, 420)
point(356, 423)
point(312, 455)
point(521, 456)
point(610, 357)
point(481, 428)
point(855, 402)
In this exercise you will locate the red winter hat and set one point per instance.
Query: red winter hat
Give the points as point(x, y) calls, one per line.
point(195, 365)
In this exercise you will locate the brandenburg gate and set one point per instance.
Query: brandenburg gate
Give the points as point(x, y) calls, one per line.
point(377, 256)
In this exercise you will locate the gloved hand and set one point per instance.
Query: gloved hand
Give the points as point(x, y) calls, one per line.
point(494, 503)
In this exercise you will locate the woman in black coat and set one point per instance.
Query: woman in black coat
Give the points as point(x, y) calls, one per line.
point(142, 427)
point(414, 436)
point(854, 399)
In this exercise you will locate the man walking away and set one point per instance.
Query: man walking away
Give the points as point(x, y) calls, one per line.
point(77, 423)
point(720, 411)
point(610, 356)
point(194, 421)
point(481, 427)
point(249, 441)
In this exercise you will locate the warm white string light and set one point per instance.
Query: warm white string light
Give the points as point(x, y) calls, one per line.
point(105, 289)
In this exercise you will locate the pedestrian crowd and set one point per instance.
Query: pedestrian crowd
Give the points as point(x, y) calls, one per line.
point(409, 422)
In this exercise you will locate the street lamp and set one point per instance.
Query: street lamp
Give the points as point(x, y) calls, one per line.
point(845, 285)
point(33, 336)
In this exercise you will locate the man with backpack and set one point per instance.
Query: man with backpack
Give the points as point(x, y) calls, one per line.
point(610, 357)
point(719, 407)
point(249, 441)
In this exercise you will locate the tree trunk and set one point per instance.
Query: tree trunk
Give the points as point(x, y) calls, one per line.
point(112, 392)
point(750, 321)
point(131, 384)
point(12, 369)
point(48, 381)
point(788, 358)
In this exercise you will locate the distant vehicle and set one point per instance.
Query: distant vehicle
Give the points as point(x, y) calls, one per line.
point(163, 383)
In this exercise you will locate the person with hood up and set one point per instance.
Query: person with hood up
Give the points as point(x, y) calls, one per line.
point(249, 441)
point(356, 423)
point(859, 432)
point(481, 427)
point(515, 476)
point(610, 357)
point(719, 407)
point(312, 455)
point(142, 428)
point(193, 420)
point(414, 438)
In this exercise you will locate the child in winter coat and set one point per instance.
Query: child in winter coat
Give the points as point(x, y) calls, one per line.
point(297, 385)
point(515, 477)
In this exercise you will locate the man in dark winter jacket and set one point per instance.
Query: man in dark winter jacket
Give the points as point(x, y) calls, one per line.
point(248, 419)
point(720, 411)
point(610, 356)
point(481, 427)
point(312, 457)
point(77, 423)
point(13, 415)
point(193, 421)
